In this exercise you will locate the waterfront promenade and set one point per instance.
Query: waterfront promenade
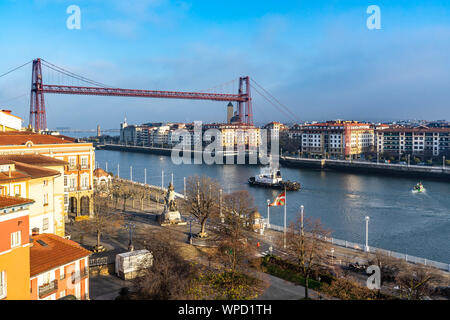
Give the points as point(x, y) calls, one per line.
point(350, 246)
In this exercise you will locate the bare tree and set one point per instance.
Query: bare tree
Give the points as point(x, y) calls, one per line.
point(103, 220)
point(305, 241)
point(414, 282)
point(238, 208)
point(170, 276)
point(202, 200)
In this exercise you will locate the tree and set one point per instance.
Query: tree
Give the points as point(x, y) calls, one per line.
point(170, 276)
point(202, 200)
point(103, 220)
point(414, 282)
point(310, 251)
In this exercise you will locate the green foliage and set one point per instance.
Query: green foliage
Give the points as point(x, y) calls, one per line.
point(226, 285)
point(287, 271)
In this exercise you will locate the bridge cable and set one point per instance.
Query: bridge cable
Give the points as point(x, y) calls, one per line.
point(270, 95)
point(4, 74)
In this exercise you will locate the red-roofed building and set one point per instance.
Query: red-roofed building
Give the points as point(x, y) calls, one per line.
point(58, 267)
point(78, 172)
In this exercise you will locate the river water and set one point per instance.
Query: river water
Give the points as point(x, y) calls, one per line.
point(413, 223)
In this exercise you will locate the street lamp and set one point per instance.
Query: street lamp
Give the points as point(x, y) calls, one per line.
point(130, 226)
point(332, 256)
point(366, 248)
point(268, 213)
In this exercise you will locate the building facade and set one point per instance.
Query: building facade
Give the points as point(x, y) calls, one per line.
point(9, 122)
point(14, 248)
point(39, 178)
point(78, 173)
point(341, 139)
point(421, 141)
point(58, 267)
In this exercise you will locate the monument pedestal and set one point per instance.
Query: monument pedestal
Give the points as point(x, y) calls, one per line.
point(171, 218)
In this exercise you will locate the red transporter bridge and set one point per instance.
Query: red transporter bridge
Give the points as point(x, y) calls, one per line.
point(38, 88)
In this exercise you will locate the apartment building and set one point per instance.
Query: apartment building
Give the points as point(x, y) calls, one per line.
point(234, 134)
point(78, 173)
point(421, 141)
point(39, 178)
point(14, 248)
point(343, 139)
point(58, 267)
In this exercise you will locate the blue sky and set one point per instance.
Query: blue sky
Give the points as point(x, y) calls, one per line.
point(316, 57)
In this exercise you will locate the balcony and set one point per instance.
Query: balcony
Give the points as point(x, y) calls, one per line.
point(78, 276)
point(47, 289)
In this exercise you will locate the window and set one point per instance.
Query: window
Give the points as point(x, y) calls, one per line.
point(46, 278)
point(45, 224)
point(84, 162)
point(45, 182)
point(15, 239)
point(65, 181)
point(73, 182)
point(17, 190)
point(45, 199)
point(72, 161)
point(2, 284)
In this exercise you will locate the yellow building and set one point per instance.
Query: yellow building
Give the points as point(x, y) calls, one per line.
point(78, 173)
point(39, 178)
point(14, 248)
point(9, 122)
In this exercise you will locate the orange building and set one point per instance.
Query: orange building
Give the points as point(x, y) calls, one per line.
point(58, 267)
point(14, 248)
point(78, 173)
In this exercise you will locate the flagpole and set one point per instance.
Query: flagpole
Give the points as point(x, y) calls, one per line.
point(285, 203)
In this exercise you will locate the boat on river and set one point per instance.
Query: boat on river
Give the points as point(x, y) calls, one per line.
point(270, 177)
point(419, 187)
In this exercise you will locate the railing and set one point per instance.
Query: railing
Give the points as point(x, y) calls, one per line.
point(77, 276)
point(389, 253)
point(99, 261)
point(48, 288)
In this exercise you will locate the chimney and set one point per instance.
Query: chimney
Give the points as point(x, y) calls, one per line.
point(35, 232)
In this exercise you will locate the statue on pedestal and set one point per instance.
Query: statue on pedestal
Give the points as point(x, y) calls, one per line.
point(170, 215)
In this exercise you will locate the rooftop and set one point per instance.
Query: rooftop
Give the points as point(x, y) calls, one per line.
point(57, 252)
point(9, 138)
point(9, 202)
point(34, 159)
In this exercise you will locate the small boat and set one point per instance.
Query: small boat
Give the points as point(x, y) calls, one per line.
point(270, 177)
point(419, 187)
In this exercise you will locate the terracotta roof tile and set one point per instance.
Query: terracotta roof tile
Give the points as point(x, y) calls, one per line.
point(58, 252)
point(22, 137)
point(7, 202)
point(33, 159)
point(35, 171)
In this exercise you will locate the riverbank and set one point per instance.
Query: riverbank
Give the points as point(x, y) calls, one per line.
point(365, 167)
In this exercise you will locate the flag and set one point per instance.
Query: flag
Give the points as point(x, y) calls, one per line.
point(280, 200)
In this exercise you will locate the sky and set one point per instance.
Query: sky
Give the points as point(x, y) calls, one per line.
point(318, 58)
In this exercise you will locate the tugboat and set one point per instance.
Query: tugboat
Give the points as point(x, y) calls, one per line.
point(270, 177)
point(419, 187)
